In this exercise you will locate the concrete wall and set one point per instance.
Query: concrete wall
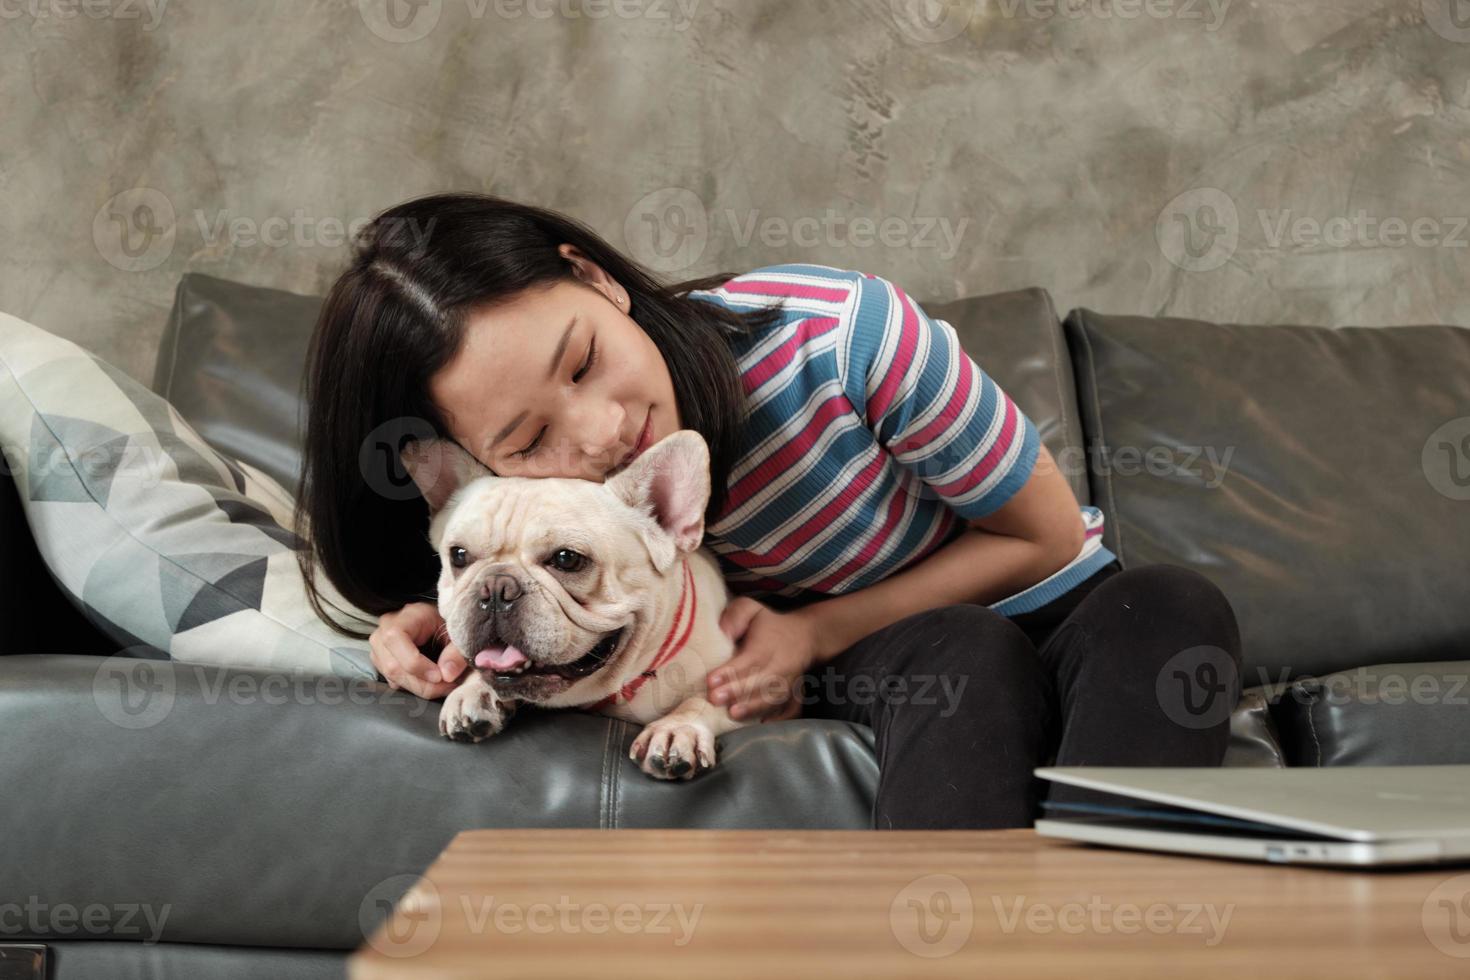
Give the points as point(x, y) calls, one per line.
point(1257, 162)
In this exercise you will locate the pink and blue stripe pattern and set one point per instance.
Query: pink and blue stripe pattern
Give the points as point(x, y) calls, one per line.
point(871, 439)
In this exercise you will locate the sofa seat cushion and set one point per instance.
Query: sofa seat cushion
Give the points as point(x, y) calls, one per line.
point(1253, 737)
point(266, 808)
point(1383, 715)
point(90, 959)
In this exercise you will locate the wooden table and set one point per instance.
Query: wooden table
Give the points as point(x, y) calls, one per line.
point(696, 904)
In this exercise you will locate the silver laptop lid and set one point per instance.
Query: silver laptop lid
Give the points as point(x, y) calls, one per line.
point(1360, 803)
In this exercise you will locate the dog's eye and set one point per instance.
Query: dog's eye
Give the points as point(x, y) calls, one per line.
point(458, 557)
point(567, 560)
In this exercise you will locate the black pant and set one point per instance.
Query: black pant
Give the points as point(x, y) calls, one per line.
point(1130, 668)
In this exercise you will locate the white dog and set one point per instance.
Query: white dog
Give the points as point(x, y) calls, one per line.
point(568, 593)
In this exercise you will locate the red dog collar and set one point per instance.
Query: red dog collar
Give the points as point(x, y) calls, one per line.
point(677, 637)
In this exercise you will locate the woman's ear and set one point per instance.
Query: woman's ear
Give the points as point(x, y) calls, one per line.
point(440, 467)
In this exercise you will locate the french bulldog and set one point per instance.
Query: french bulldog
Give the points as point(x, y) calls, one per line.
point(568, 593)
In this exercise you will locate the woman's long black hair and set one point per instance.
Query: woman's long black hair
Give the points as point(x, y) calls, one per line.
point(396, 316)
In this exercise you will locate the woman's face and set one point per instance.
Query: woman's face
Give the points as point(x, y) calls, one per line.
point(521, 397)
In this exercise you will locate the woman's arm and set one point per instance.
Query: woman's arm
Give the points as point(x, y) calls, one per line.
point(1035, 533)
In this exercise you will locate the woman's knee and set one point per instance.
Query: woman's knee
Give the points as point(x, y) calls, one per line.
point(1167, 629)
point(1175, 601)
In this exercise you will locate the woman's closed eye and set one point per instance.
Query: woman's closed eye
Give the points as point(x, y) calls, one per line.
point(581, 373)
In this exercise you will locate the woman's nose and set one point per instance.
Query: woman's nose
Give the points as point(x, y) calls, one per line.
point(602, 434)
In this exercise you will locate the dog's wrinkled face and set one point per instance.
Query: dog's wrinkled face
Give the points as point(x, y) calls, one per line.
point(544, 580)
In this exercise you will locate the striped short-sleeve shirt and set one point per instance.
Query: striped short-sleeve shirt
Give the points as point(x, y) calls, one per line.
point(871, 438)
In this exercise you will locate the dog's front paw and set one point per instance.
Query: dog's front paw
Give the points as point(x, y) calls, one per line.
point(674, 748)
point(473, 711)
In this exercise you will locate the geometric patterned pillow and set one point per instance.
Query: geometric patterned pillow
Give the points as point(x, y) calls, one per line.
point(173, 549)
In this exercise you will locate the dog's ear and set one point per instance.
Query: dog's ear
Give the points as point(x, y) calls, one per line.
point(440, 467)
point(671, 479)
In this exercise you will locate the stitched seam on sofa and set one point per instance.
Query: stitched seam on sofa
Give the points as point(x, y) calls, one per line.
point(1112, 514)
point(605, 814)
point(602, 785)
point(1312, 728)
point(1054, 327)
point(615, 763)
point(66, 450)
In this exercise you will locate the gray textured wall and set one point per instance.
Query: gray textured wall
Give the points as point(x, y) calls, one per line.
point(1257, 162)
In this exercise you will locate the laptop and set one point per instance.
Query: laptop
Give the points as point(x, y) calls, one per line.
point(1339, 815)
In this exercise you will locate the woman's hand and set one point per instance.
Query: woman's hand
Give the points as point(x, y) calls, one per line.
point(396, 655)
point(772, 652)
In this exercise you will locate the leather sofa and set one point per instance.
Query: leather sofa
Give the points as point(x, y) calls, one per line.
point(261, 832)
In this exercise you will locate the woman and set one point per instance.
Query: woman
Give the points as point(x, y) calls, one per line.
point(903, 550)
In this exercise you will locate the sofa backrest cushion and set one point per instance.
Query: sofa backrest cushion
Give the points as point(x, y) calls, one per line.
point(1320, 476)
point(231, 362)
point(232, 359)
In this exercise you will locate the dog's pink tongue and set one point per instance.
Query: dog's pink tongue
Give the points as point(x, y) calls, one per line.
point(499, 658)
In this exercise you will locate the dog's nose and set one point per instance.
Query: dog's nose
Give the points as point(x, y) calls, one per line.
point(502, 589)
